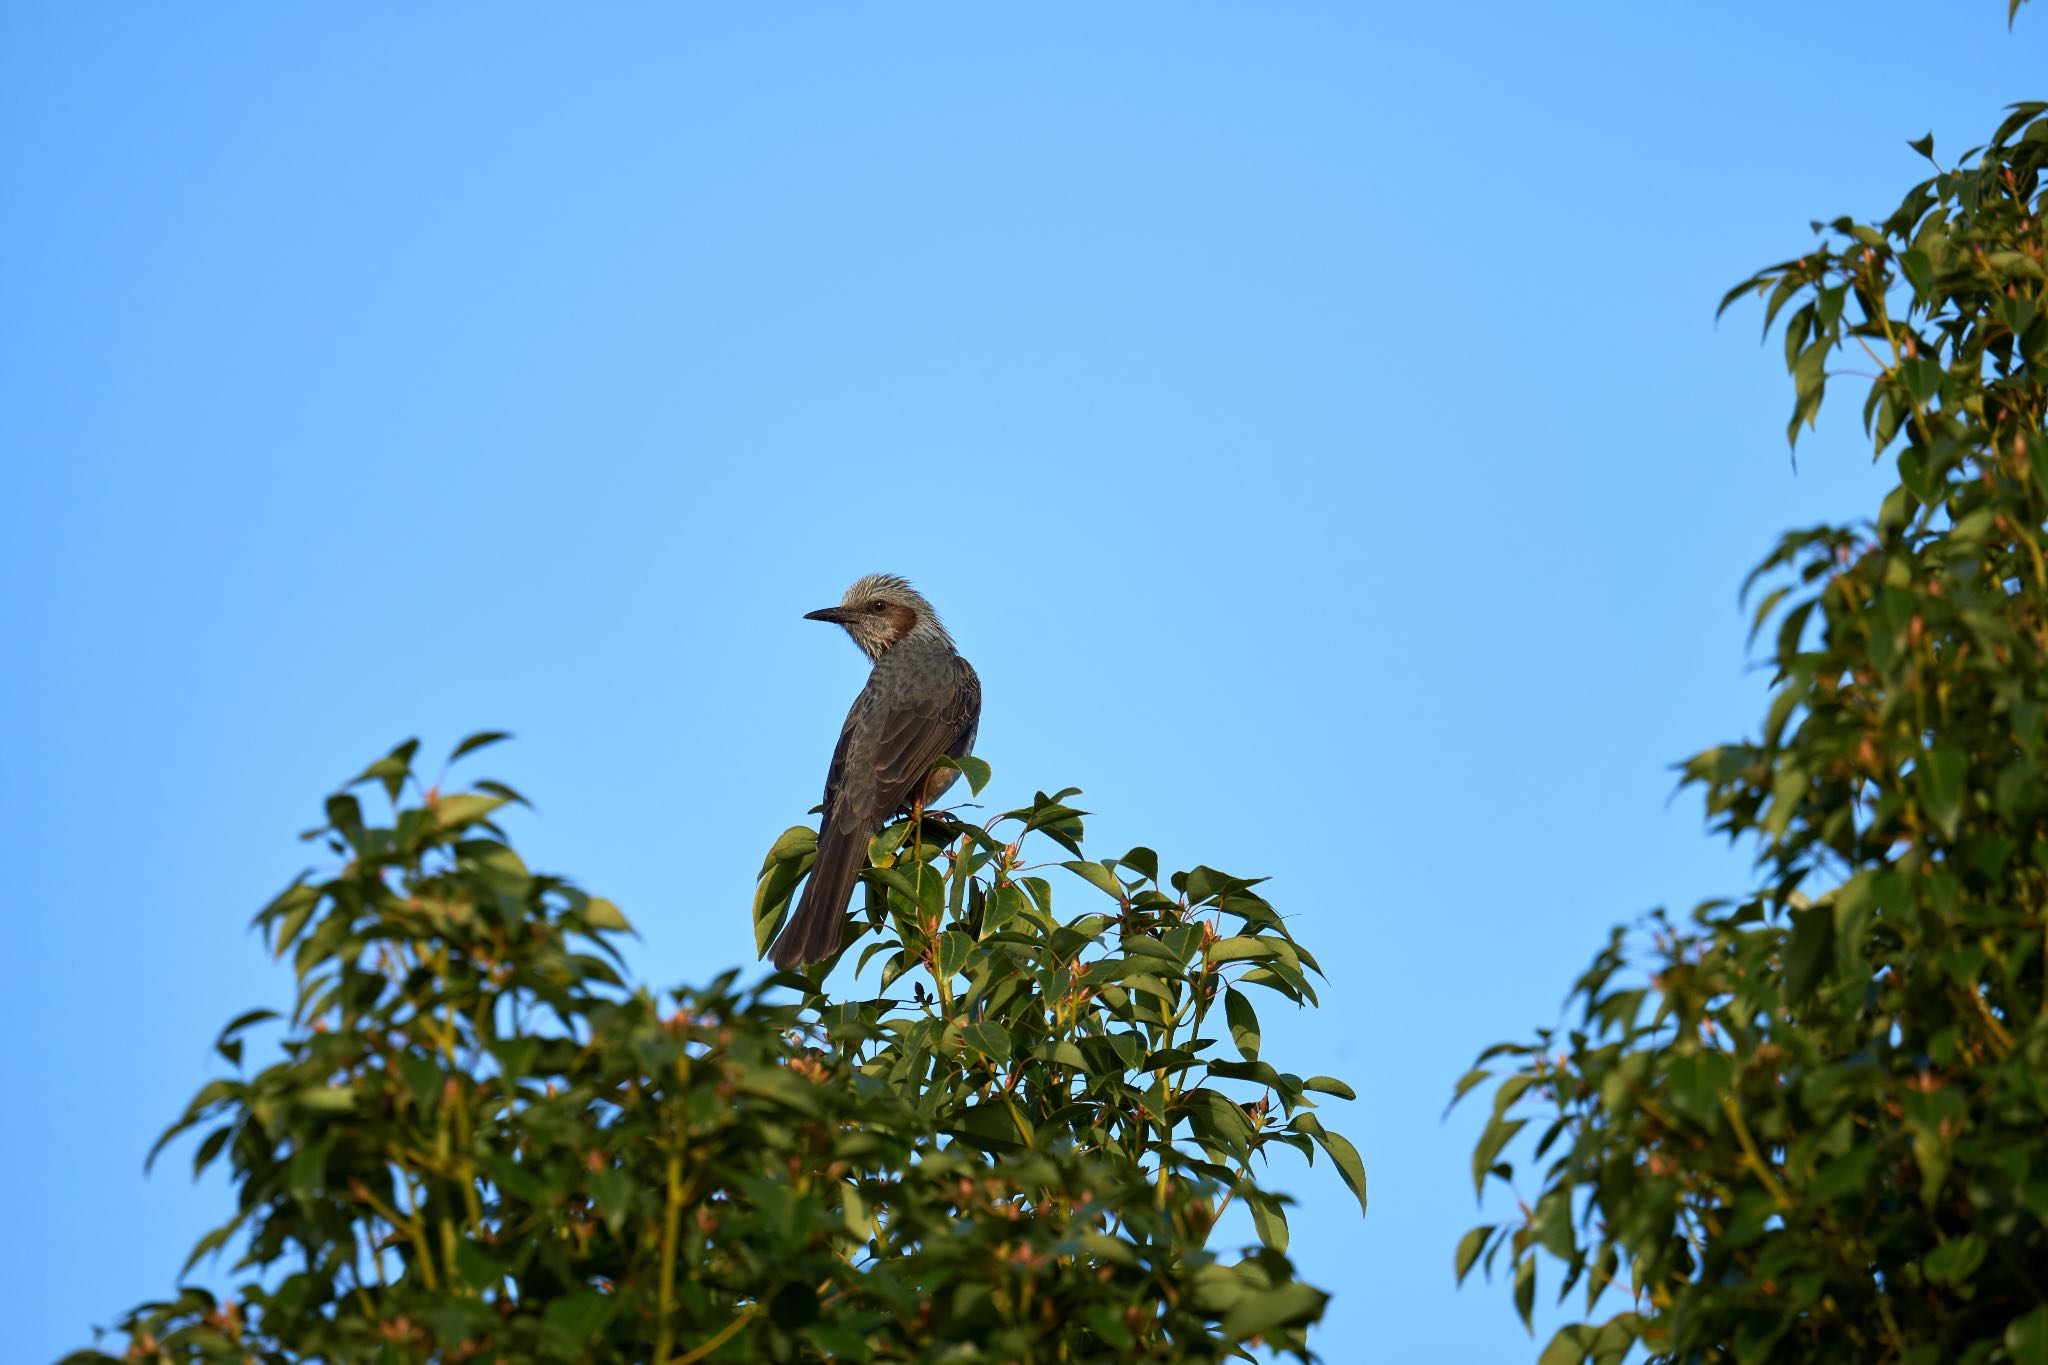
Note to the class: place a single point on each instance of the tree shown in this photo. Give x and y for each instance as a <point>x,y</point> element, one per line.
<point>1807,1125</point>
<point>478,1141</point>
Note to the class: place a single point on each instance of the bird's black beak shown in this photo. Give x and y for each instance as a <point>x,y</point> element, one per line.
<point>836,615</point>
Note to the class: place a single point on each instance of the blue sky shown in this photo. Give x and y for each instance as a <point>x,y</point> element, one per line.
<point>1310,419</point>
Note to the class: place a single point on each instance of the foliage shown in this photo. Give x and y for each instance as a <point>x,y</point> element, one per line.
<point>1807,1126</point>
<point>480,1142</point>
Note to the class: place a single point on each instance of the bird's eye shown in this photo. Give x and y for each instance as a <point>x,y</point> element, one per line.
<point>877,605</point>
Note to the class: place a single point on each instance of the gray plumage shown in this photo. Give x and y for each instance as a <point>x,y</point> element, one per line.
<point>922,701</point>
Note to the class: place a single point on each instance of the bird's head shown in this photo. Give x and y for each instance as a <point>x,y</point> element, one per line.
<point>881,610</point>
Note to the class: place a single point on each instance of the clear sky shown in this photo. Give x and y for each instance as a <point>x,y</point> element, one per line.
<point>1309,418</point>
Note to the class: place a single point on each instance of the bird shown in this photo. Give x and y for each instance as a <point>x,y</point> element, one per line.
<point>922,702</point>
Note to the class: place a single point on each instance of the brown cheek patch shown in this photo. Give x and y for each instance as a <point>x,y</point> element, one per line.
<point>901,619</point>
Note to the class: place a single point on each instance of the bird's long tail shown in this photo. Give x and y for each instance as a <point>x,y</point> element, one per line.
<point>812,934</point>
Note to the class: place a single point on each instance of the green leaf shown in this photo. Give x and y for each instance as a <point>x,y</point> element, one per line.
<point>1341,1153</point>
<point>569,1323</point>
<point>990,1126</point>
<point>1810,951</point>
<point>1244,1024</point>
<point>973,769</point>
<point>600,913</point>
<point>1469,1247</point>
<point>481,738</point>
<point>1496,1135</point>
<point>1005,903</point>
<point>951,953</point>
<point>611,1191</point>
<point>1269,1217</point>
<point>798,843</point>
<point>988,1038</point>
<point>784,867</point>
<point>463,809</point>
<point>1096,875</point>
<point>229,1044</point>
<point>328,1099</point>
<point>423,1078</point>
<point>1260,1314</point>
<point>1846,1175</point>
<point>1259,1073</point>
<point>1581,1343</point>
<point>1142,861</point>
<point>1466,1083</point>
<point>499,789</point>
<point>1919,272</point>
<point>212,1242</point>
<point>1061,1053</point>
<point>288,915</point>
<point>1941,786</point>
<point>2026,1338</point>
<point>1329,1085</point>
<point>392,769</point>
<point>514,1055</point>
<point>1956,1261</point>
<point>1242,948</point>
<point>479,1271</point>
<point>210,1148</point>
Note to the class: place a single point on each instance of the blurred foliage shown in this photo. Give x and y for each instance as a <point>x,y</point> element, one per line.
<point>1808,1126</point>
<point>480,1142</point>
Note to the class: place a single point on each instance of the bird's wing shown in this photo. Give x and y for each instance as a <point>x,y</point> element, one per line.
<point>899,726</point>
<point>891,740</point>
